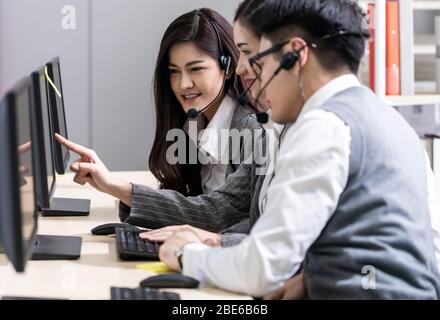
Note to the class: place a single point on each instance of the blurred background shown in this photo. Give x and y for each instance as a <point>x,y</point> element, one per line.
<point>107,64</point>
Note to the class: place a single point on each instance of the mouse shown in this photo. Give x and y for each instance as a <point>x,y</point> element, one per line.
<point>169,280</point>
<point>109,228</point>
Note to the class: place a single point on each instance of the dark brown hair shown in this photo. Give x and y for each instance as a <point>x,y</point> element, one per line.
<point>193,26</point>
<point>244,11</point>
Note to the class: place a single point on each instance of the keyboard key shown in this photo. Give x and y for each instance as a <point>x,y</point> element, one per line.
<point>126,294</point>
<point>131,242</point>
<point>141,245</point>
<point>123,240</point>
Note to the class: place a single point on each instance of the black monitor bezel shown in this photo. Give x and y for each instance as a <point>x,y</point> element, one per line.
<point>44,192</point>
<point>10,222</point>
<point>60,163</point>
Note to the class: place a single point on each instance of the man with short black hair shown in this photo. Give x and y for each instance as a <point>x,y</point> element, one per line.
<point>348,201</point>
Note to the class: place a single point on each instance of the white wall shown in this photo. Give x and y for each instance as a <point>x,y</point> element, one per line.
<point>107,65</point>
<point>30,35</point>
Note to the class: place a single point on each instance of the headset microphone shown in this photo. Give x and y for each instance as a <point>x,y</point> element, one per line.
<point>243,99</point>
<point>192,113</point>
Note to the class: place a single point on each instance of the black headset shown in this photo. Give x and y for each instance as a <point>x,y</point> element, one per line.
<point>224,60</point>
<point>225,64</point>
<point>289,60</point>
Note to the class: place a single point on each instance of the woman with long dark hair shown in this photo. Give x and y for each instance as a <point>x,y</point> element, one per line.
<point>188,73</point>
<point>191,73</point>
<point>247,40</point>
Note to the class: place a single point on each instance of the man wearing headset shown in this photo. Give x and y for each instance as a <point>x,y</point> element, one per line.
<point>348,201</point>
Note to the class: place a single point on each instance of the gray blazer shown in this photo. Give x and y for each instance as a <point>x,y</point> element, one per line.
<point>232,209</point>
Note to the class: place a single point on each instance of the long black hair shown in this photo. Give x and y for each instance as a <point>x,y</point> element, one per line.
<point>193,26</point>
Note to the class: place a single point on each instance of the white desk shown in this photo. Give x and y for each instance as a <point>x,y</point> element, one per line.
<point>99,268</point>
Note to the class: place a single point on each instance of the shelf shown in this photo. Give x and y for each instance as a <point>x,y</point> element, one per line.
<point>417,4</point>
<point>426,5</point>
<point>424,44</point>
<point>424,49</point>
<point>425,87</point>
<point>402,101</point>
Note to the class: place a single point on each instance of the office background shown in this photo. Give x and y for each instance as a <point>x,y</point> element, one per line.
<point>107,65</point>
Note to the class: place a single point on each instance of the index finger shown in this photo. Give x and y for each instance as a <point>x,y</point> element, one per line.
<point>24,147</point>
<point>79,149</point>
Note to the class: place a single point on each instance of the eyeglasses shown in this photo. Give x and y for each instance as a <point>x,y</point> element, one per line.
<point>253,61</point>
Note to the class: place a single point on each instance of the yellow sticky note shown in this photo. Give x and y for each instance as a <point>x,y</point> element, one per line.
<point>156,267</point>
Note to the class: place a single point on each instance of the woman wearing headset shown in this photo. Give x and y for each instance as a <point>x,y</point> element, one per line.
<point>247,40</point>
<point>194,83</point>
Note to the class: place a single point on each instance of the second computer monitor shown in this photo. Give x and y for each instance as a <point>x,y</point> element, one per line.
<point>18,219</point>
<point>56,102</point>
<point>45,172</point>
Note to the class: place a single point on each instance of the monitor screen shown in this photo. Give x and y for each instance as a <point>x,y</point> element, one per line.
<point>50,171</point>
<point>59,117</point>
<point>47,132</point>
<point>44,166</point>
<point>17,210</point>
<point>25,164</point>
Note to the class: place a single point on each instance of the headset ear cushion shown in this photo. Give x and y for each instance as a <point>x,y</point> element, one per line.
<point>289,60</point>
<point>222,62</point>
<point>225,63</point>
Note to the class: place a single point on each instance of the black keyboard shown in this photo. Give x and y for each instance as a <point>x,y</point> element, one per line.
<point>131,247</point>
<point>142,294</point>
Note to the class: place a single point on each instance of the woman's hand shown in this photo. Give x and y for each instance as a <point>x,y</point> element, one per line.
<point>90,169</point>
<point>162,234</point>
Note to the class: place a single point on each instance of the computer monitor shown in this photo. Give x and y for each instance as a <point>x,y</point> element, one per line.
<point>44,132</point>
<point>45,173</point>
<point>18,184</point>
<point>56,101</point>
<point>18,219</point>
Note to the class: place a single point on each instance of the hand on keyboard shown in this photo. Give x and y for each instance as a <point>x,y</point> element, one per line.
<point>131,247</point>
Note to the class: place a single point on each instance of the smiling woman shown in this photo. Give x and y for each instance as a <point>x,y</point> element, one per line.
<point>189,76</point>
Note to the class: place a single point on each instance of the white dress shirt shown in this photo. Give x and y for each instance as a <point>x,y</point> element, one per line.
<point>311,172</point>
<point>213,170</point>
<point>274,131</point>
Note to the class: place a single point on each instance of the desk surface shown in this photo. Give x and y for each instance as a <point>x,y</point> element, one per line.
<point>99,268</point>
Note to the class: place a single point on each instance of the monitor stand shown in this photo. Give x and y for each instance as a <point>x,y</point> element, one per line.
<point>56,248</point>
<point>66,207</point>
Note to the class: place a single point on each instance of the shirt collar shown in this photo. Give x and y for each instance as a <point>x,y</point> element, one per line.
<point>209,142</point>
<point>329,90</point>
